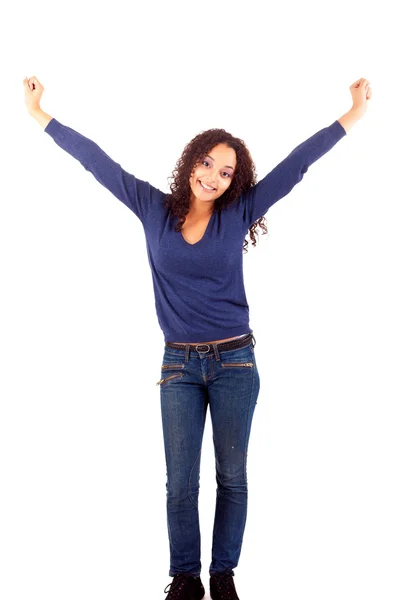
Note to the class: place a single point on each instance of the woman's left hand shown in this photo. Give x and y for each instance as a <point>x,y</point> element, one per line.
<point>361,92</point>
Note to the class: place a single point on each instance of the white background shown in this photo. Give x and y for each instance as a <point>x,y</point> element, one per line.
<point>82,471</point>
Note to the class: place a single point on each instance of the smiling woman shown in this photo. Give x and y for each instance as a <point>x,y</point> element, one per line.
<point>216,159</point>
<point>210,178</point>
<point>194,239</point>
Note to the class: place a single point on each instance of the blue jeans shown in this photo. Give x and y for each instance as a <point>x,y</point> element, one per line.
<point>190,380</point>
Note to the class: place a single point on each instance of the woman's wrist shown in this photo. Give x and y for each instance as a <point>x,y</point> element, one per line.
<point>40,116</point>
<point>350,118</point>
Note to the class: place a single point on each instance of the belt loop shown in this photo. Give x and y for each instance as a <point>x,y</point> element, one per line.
<point>254,340</point>
<point>187,350</point>
<point>216,353</point>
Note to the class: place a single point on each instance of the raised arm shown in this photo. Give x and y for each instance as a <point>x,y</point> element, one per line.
<point>138,195</point>
<point>282,179</point>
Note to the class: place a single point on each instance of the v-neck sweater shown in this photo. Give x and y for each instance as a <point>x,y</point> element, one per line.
<point>198,288</point>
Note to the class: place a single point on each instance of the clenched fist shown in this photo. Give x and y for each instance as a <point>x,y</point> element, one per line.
<point>360,92</point>
<point>33,93</point>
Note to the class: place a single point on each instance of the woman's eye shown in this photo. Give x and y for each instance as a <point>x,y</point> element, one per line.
<point>225,173</point>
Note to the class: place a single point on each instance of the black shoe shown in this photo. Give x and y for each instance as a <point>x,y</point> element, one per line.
<point>185,587</point>
<point>222,587</point>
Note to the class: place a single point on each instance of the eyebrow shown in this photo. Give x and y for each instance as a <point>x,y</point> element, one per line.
<point>226,166</point>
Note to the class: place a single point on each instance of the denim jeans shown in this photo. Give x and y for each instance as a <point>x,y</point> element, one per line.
<point>229,382</point>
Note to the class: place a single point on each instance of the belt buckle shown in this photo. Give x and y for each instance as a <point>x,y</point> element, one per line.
<point>203,351</point>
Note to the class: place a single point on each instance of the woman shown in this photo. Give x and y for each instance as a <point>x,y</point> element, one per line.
<point>195,237</point>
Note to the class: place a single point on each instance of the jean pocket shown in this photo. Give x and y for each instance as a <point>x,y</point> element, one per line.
<point>172,366</point>
<point>166,366</point>
<point>239,358</point>
<point>237,364</point>
<point>162,381</point>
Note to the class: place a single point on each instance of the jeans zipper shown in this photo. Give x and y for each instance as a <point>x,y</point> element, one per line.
<point>248,364</point>
<point>167,378</point>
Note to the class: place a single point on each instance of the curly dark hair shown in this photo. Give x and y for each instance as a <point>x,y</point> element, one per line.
<point>244,177</point>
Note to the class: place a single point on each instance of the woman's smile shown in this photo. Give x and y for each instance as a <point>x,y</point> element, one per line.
<point>206,189</point>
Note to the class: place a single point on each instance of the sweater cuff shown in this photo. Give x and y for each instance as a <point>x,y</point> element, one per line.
<point>338,130</point>
<point>52,127</point>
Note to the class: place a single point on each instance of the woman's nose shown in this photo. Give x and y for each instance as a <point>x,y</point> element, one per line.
<point>213,175</point>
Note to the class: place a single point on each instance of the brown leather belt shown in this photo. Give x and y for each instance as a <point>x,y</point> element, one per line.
<point>231,345</point>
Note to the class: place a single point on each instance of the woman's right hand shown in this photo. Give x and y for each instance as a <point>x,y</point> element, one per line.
<point>33,93</point>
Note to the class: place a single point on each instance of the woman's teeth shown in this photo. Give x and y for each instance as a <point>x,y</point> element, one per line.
<point>208,189</point>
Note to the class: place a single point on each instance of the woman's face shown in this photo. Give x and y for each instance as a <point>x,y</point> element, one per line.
<point>214,170</point>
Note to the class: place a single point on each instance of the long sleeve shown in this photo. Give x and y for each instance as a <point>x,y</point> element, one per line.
<point>282,179</point>
<point>138,195</point>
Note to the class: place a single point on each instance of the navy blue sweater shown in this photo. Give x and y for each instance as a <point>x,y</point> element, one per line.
<point>198,288</point>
